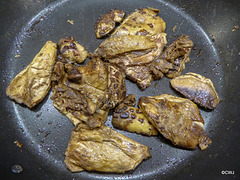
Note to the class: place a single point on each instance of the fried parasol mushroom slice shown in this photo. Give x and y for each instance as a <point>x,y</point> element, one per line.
<point>177,119</point>
<point>197,88</point>
<point>172,61</point>
<point>143,21</point>
<point>103,149</point>
<point>129,118</point>
<point>121,47</point>
<point>69,101</point>
<point>139,74</point>
<point>32,84</point>
<point>107,22</point>
<point>72,50</point>
<point>116,91</point>
<point>91,80</point>
<point>80,91</point>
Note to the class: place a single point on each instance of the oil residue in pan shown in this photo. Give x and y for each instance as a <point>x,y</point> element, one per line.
<point>46,132</point>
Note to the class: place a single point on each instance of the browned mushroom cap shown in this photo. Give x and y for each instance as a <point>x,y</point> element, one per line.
<point>107,22</point>
<point>71,50</point>
<point>197,88</point>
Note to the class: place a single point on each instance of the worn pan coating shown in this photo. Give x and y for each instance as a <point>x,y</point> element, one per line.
<point>44,133</point>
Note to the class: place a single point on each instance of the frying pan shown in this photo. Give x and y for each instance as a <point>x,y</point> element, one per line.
<point>44,133</point>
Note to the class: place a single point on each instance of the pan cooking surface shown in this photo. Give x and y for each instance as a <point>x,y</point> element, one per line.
<point>45,132</point>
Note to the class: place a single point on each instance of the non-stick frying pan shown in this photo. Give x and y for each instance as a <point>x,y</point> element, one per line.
<point>44,133</point>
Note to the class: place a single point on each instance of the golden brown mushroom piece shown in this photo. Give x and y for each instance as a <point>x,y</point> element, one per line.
<point>80,92</point>
<point>177,119</point>
<point>116,91</point>
<point>143,21</point>
<point>72,50</point>
<point>107,22</point>
<point>129,118</point>
<point>103,149</point>
<point>172,61</point>
<point>32,84</point>
<point>197,88</point>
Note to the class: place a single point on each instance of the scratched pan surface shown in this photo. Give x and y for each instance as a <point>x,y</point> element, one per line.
<point>44,133</point>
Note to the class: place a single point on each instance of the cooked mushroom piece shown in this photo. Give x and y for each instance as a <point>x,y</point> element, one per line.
<point>132,119</point>
<point>116,90</point>
<point>72,50</point>
<point>32,84</point>
<point>103,149</point>
<point>73,73</point>
<point>107,22</point>
<point>140,75</point>
<point>81,91</point>
<point>197,88</point>
<point>177,119</point>
<point>172,61</point>
<point>143,21</point>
